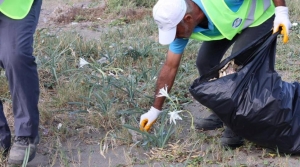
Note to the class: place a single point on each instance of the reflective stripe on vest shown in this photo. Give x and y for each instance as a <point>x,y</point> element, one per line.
<point>251,13</point>
<point>250,17</point>
<point>15,9</point>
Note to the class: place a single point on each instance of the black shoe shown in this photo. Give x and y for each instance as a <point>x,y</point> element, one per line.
<point>18,149</point>
<point>230,140</point>
<point>212,122</point>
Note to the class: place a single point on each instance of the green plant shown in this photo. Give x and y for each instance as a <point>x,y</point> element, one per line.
<point>162,134</point>
<point>26,157</point>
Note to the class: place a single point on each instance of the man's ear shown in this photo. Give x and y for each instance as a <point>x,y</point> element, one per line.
<point>187,18</point>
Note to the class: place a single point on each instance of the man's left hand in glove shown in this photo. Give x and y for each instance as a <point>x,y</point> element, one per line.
<point>282,20</point>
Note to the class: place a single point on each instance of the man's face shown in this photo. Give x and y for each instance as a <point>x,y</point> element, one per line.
<point>184,30</point>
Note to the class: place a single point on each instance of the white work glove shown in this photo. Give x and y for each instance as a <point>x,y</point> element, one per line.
<point>148,119</point>
<point>282,20</point>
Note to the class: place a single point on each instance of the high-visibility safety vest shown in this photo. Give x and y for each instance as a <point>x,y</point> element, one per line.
<point>250,14</point>
<point>15,9</point>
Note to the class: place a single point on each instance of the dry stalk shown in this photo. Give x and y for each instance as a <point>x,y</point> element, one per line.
<point>229,68</point>
<point>177,152</point>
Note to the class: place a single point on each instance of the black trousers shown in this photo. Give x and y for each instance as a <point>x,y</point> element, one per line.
<point>16,40</point>
<point>211,52</point>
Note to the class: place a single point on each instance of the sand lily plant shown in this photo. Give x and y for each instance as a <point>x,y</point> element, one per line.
<point>96,65</point>
<point>174,115</point>
<point>165,126</point>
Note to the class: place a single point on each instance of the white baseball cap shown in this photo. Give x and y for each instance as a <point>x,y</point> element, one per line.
<point>167,14</point>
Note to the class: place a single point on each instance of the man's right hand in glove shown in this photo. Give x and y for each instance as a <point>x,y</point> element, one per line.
<point>148,119</point>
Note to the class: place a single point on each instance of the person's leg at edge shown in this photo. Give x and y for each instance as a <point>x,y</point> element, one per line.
<point>16,39</point>
<point>5,135</point>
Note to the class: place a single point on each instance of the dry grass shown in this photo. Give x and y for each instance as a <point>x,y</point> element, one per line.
<point>66,14</point>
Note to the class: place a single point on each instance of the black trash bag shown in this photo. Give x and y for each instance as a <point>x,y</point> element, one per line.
<point>254,102</point>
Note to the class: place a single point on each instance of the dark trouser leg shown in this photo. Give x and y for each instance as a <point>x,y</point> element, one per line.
<point>210,55</point>
<point>16,40</point>
<point>5,135</point>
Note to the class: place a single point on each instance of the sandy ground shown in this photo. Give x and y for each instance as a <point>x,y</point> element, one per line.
<point>78,153</point>
<point>53,9</point>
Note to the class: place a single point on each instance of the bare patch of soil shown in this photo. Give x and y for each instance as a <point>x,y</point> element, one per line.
<point>65,15</point>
